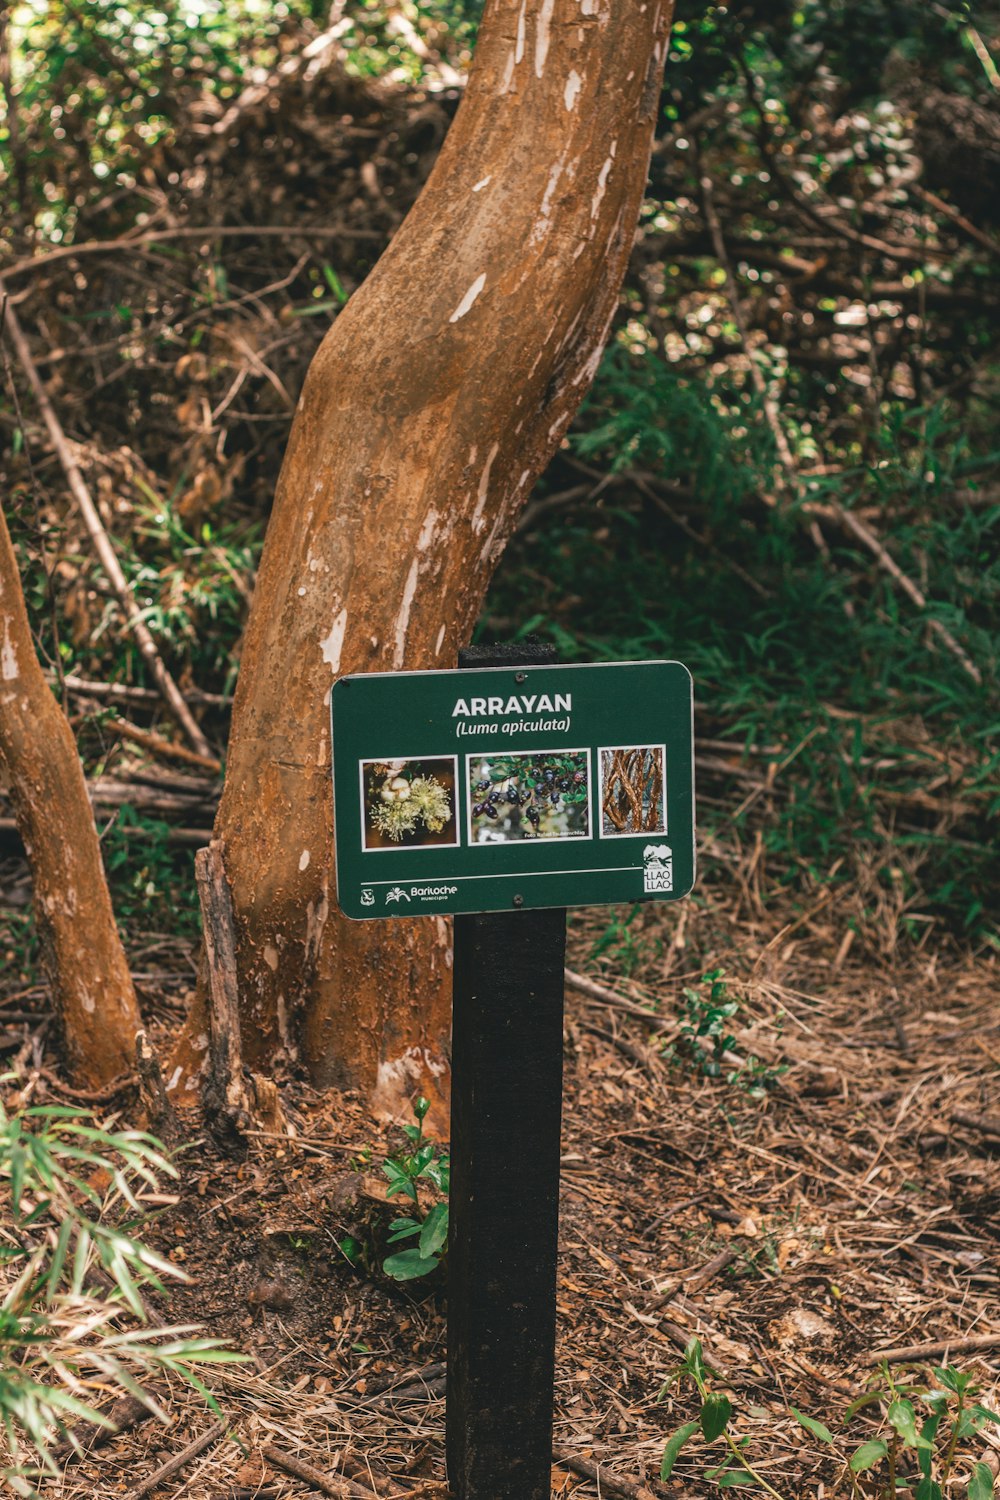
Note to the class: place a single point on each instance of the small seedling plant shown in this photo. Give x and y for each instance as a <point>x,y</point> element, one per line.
<point>919,1444</point>
<point>713,1422</point>
<point>423,1163</point>
<point>921,1439</point>
<point>707,1011</point>
<point>72,1274</point>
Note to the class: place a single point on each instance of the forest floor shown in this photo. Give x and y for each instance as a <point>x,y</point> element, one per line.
<point>836,1197</point>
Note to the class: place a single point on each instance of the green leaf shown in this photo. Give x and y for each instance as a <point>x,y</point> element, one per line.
<point>928,1489</point>
<point>812,1426</point>
<point>737,1479</point>
<point>714,1415</point>
<point>403,1229</point>
<point>981,1483</point>
<point>408,1265</point>
<point>694,1361</point>
<point>434,1234</point>
<point>868,1455</point>
<point>673,1447</point>
<point>974,1419</point>
<point>903,1418</point>
<point>865,1399</point>
<point>925,1456</point>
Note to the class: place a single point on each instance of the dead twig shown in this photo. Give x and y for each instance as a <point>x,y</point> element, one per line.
<point>615,1486</point>
<point>138,242</point>
<point>604,996</point>
<point>102,544</point>
<point>179,1460</point>
<point>159,746</point>
<point>848,520</point>
<point>911,1353</point>
<point>987,1124</point>
<point>327,1484</point>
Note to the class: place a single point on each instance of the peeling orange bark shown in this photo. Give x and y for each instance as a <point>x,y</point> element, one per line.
<point>433,404</point>
<point>91,985</point>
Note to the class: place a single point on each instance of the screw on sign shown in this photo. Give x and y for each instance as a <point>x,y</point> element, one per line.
<point>503,802</point>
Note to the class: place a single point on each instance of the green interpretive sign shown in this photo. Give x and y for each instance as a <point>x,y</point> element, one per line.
<point>502,789</point>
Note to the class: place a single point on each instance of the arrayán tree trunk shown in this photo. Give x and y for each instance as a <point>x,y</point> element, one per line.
<point>433,404</point>
<point>91,985</point>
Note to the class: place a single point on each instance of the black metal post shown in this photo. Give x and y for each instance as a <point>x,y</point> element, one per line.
<point>506,1108</point>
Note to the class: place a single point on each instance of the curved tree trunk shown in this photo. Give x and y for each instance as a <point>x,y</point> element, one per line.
<point>435,401</point>
<point>82,952</point>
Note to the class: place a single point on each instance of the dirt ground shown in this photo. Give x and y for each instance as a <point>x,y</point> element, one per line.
<point>835,1197</point>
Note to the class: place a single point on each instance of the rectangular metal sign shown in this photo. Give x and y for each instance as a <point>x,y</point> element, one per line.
<point>508,788</point>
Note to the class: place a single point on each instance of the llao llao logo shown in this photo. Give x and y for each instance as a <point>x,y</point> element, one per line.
<point>658,868</point>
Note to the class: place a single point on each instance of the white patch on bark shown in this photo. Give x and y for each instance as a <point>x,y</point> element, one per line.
<point>440,642</point>
<point>484,485</point>
<point>542,35</point>
<point>281,1016</point>
<point>444,940</point>
<point>87,1000</point>
<point>334,643</point>
<point>570,331</point>
<point>316,915</point>
<point>172,1081</point>
<point>271,957</point>
<point>508,75</point>
<point>403,618</point>
<point>574,83</point>
<point>304,859</point>
<point>602,186</point>
<point>8,658</point>
<point>427,530</point>
<point>588,7</point>
<point>483,182</point>
<point>545,210</point>
<point>468,299</point>
<point>301,593</point>
<point>519,47</point>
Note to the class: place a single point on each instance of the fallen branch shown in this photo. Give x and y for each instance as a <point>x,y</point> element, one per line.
<point>197,836</point>
<point>124,1414</point>
<point>604,996</point>
<point>615,1486</point>
<point>204,232</point>
<point>909,1353</point>
<point>858,528</point>
<point>159,746</point>
<point>179,1460</point>
<point>99,537</point>
<point>987,1124</point>
<point>123,692</point>
<point>327,1484</point>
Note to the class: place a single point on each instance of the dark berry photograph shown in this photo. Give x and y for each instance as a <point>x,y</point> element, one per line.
<point>541,795</point>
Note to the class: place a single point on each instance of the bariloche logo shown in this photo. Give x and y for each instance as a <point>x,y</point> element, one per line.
<point>367,897</point>
<point>658,868</point>
<point>396,894</point>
